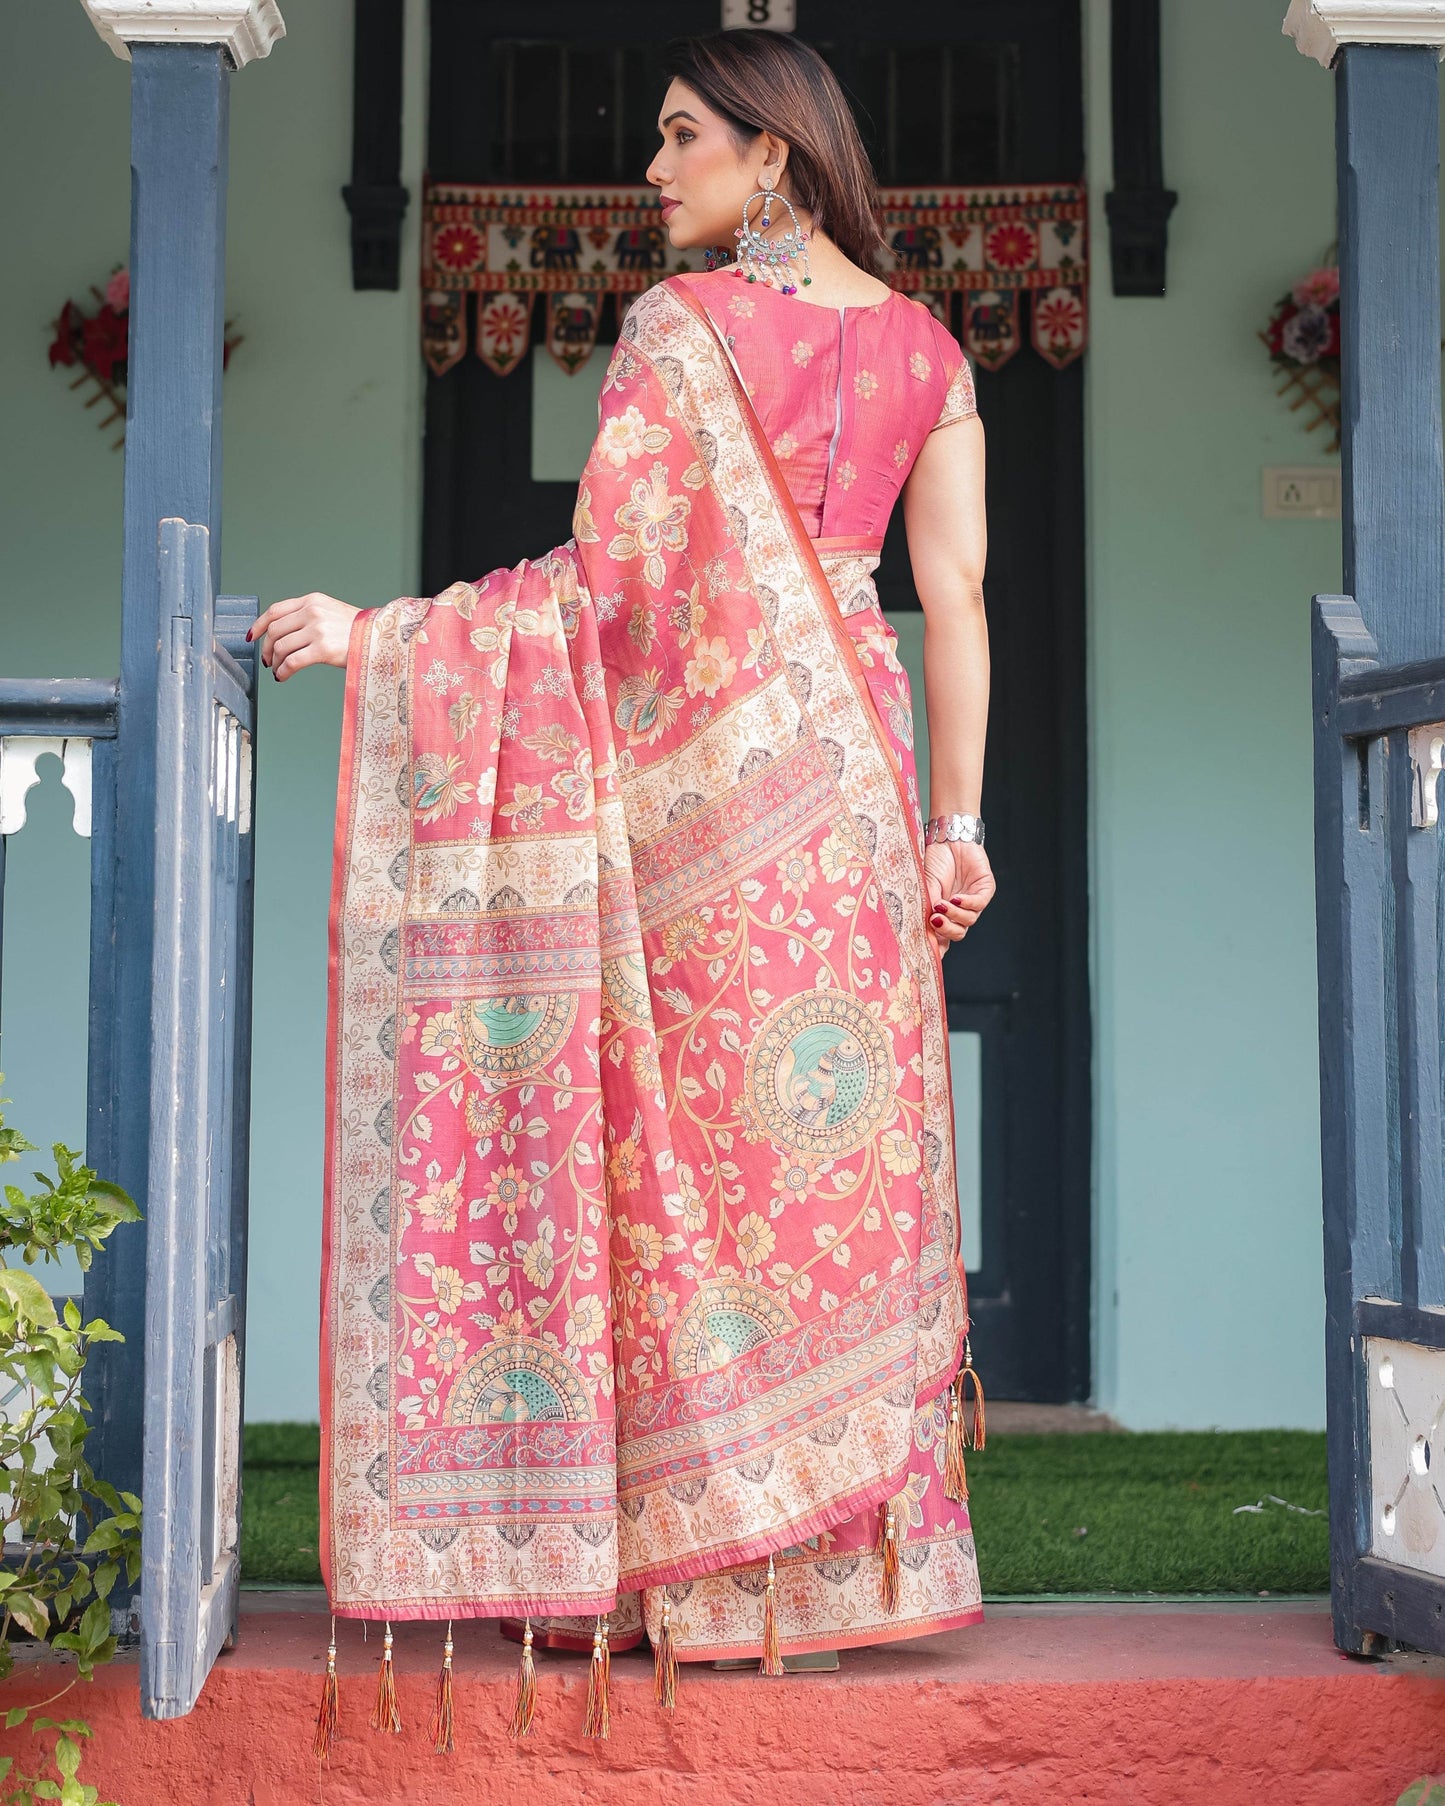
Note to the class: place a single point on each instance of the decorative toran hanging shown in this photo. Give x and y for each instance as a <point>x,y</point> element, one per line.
<point>968,253</point>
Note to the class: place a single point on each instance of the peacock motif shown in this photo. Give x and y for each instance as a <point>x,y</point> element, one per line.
<point>821,1074</point>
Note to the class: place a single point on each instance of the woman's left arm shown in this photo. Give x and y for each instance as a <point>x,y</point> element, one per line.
<point>943,511</point>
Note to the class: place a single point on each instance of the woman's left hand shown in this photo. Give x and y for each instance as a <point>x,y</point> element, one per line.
<point>304,630</point>
<point>960,887</point>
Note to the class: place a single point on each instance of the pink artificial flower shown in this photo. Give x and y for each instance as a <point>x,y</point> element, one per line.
<point>1319,288</point>
<point>117,290</point>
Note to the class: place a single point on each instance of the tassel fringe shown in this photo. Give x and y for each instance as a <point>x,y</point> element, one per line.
<point>441,1718</point>
<point>955,1474</point>
<point>385,1715</point>
<point>598,1722</point>
<point>664,1669</point>
<point>978,1440</point>
<point>772,1662</point>
<point>888,1540</point>
<point>606,1673</point>
<point>526,1706</point>
<point>328,1714</point>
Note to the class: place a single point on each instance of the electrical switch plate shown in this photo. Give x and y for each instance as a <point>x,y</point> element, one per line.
<point>1301,491</point>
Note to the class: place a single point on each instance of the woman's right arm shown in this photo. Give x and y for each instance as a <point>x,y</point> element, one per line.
<point>943,511</point>
<point>304,630</point>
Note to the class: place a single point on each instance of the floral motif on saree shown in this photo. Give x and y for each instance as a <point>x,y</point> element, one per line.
<point>640,1257</point>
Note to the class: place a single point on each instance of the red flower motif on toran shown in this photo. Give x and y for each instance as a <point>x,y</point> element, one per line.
<point>1011,246</point>
<point>459,247</point>
<point>505,320</point>
<point>1060,318</point>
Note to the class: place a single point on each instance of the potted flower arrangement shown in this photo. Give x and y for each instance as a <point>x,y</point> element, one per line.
<point>1303,340</point>
<point>99,343</point>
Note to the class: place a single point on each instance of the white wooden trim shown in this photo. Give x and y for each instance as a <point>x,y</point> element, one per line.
<point>246,28</point>
<point>76,778</point>
<point>1427,760</point>
<point>19,754</point>
<point>18,776</point>
<point>1319,27</point>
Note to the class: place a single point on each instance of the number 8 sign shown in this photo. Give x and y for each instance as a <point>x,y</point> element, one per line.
<point>776,15</point>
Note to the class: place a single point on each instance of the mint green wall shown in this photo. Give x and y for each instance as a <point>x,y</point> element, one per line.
<point>1208,1264</point>
<point>1208,1282</point>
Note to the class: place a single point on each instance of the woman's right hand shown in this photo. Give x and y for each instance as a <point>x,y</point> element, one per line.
<point>304,630</point>
<point>960,887</point>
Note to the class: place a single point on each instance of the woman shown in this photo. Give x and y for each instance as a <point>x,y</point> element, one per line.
<point>642,1299</point>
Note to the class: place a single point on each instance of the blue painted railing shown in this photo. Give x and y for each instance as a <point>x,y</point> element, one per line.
<point>1379,705</point>
<point>167,1402</point>
<point>1379,742</point>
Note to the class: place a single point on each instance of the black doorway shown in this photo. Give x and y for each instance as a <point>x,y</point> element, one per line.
<point>948,91</point>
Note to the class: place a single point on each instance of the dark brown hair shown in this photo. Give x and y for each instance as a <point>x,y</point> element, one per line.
<point>771,81</point>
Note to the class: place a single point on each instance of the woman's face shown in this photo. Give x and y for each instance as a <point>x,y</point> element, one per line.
<point>703,180</point>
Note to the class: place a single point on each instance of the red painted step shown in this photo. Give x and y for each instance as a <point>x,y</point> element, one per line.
<point>1139,1705</point>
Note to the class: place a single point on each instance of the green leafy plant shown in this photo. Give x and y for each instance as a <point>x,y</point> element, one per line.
<point>1427,1791</point>
<point>54,1511</point>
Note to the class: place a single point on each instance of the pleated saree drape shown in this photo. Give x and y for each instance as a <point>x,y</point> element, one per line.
<point>641,1240</point>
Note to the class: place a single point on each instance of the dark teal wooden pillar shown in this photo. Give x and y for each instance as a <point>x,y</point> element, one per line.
<point>179,110</point>
<point>1388,160</point>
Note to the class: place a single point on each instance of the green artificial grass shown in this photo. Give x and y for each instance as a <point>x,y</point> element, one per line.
<point>280,1505</point>
<point>1156,1510</point>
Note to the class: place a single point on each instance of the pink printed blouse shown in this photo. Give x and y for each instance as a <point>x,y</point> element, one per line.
<point>846,395</point>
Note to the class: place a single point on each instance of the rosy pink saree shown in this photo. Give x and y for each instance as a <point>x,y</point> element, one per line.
<point>640,1275</point>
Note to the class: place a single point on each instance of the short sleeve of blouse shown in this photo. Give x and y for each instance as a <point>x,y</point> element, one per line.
<point>960,402</point>
<point>946,356</point>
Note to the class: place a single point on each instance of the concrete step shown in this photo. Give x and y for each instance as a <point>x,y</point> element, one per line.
<point>1134,1704</point>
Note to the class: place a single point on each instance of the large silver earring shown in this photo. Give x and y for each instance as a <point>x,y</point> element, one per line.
<point>772,258</point>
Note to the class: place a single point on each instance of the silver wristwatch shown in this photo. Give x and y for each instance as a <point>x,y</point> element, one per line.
<point>953,827</point>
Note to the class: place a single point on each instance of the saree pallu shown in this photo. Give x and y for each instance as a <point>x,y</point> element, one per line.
<point>640,1261</point>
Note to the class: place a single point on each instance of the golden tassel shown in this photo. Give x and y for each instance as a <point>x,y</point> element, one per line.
<point>772,1662</point>
<point>888,1539</point>
<point>980,1429</point>
<point>606,1665</point>
<point>328,1714</point>
<point>526,1705</point>
<point>441,1718</point>
<point>598,1722</point>
<point>664,1667</point>
<point>955,1474</point>
<point>384,1714</point>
